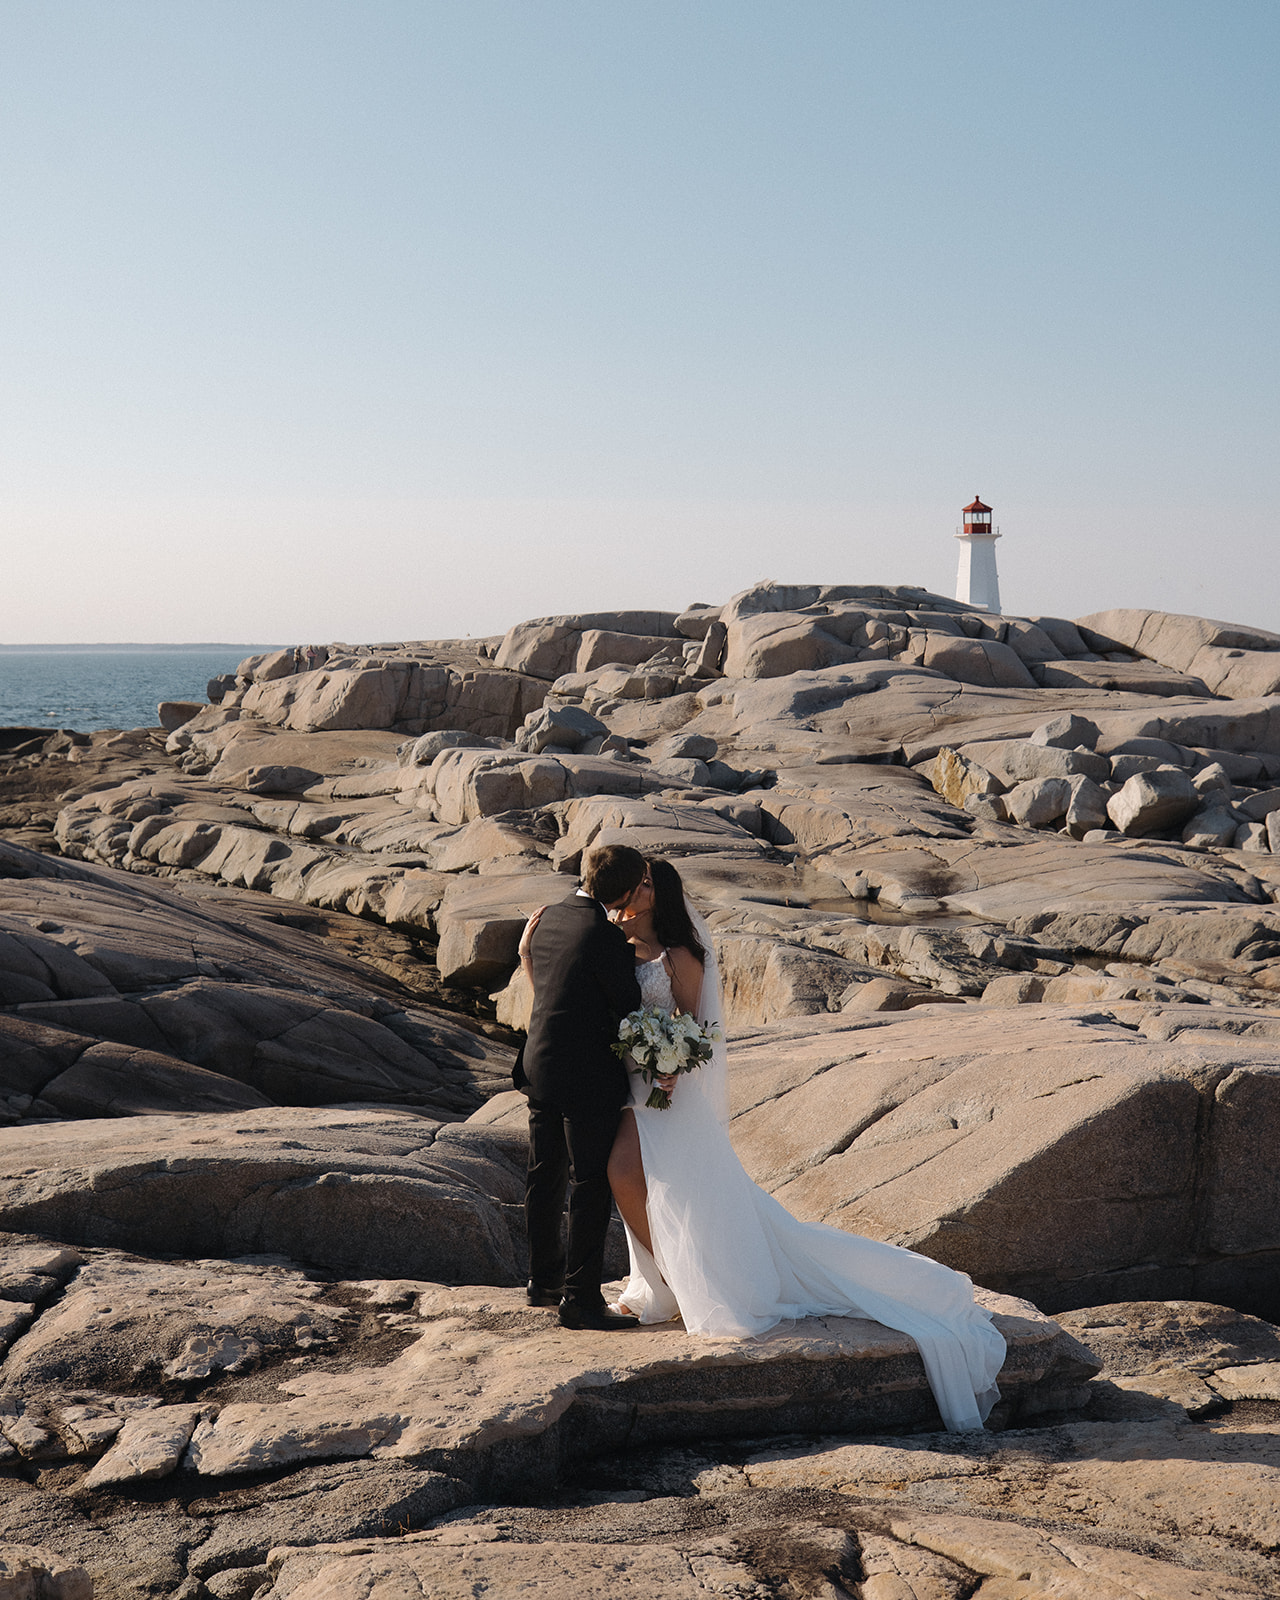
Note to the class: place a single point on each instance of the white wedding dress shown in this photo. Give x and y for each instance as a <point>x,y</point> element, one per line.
<point>733,1262</point>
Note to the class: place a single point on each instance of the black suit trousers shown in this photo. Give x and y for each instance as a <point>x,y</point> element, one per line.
<point>570,1149</point>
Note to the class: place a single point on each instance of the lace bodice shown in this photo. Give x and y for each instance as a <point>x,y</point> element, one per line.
<point>655,984</point>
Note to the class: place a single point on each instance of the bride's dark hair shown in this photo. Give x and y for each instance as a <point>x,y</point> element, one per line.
<point>671,923</point>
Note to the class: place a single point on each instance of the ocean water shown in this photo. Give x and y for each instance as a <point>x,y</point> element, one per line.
<point>91,689</point>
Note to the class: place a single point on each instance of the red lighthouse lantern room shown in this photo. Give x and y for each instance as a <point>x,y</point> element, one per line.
<point>977,518</point>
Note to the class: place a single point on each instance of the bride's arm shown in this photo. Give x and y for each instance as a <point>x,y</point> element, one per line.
<point>526,944</point>
<point>686,979</point>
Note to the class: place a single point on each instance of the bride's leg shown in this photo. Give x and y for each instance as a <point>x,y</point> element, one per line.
<point>626,1179</point>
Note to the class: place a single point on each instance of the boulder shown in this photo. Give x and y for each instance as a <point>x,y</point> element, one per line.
<point>769,645</point>
<point>396,694</point>
<point>1213,779</point>
<point>1065,635</point>
<point>694,621</point>
<point>547,647</point>
<point>1212,828</point>
<point>171,714</point>
<point>566,727</point>
<point>1039,802</point>
<point>1244,727</point>
<point>955,778</point>
<point>1149,801</point>
<point>1014,989</point>
<point>481,919</point>
<point>765,979</point>
<point>1238,768</point>
<point>599,648</point>
<point>667,827</point>
<point>1162,750</point>
<point>684,747</point>
<point>986,807</point>
<point>1087,808</point>
<point>1124,767</point>
<point>683,774</point>
<point>1258,807</point>
<point>421,752</point>
<point>1238,662</point>
<point>1068,732</point>
<point>709,662</point>
<point>481,783</point>
<point>977,661</point>
<point>1016,760</point>
<point>491,844</point>
<point>31,1572</point>
<point>1028,641</point>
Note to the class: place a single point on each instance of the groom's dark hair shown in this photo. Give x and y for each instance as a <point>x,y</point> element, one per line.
<point>611,872</point>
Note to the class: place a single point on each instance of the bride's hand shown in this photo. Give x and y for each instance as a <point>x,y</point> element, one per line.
<point>667,1081</point>
<point>527,936</point>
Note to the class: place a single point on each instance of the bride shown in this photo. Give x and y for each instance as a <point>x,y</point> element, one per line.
<point>709,1246</point>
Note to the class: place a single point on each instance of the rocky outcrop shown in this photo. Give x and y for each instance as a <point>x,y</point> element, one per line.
<point>548,647</point>
<point>200,1372</point>
<point>351,1400</point>
<point>348,1191</point>
<point>1239,663</point>
<point>403,696</point>
<point>937,1130</point>
<point>121,997</point>
<point>903,818</point>
<point>26,1570</point>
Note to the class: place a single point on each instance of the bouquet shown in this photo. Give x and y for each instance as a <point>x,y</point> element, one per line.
<point>660,1043</point>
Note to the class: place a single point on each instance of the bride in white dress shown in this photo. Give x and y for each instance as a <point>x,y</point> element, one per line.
<point>708,1245</point>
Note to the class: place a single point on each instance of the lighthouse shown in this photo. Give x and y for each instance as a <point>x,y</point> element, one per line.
<point>976,581</point>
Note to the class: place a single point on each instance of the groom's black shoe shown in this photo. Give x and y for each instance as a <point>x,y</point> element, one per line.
<point>601,1318</point>
<point>538,1296</point>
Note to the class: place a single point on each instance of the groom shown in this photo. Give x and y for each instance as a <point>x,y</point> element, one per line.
<point>584,983</point>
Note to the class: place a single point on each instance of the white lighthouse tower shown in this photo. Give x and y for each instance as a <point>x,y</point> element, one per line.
<point>976,581</point>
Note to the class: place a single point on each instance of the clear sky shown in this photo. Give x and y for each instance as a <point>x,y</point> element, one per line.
<point>378,319</point>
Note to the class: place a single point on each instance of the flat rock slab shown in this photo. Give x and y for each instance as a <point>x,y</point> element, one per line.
<point>168,1370</point>
<point>497,1395</point>
<point>1152,1337</point>
<point>1199,1501</point>
<point>358,1192</point>
<point>457,1564</point>
<point>1004,873</point>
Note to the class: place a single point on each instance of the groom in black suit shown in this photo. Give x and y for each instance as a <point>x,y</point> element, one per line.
<point>584,982</point>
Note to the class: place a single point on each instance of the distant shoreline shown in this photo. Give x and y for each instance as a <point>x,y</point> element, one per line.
<point>130,649</point>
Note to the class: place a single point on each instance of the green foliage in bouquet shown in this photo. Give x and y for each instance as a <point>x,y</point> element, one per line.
<point>662,1044</point>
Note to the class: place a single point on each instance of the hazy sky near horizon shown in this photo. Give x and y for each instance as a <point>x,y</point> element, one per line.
<point>379,319</point>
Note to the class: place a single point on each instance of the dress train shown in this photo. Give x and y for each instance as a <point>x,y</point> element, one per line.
<point>733,1261</point>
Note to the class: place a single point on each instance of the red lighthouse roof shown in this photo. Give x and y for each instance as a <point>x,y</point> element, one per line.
<point>977,505</point>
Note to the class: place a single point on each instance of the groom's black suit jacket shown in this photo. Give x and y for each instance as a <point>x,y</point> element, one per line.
<point>584,983</point>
